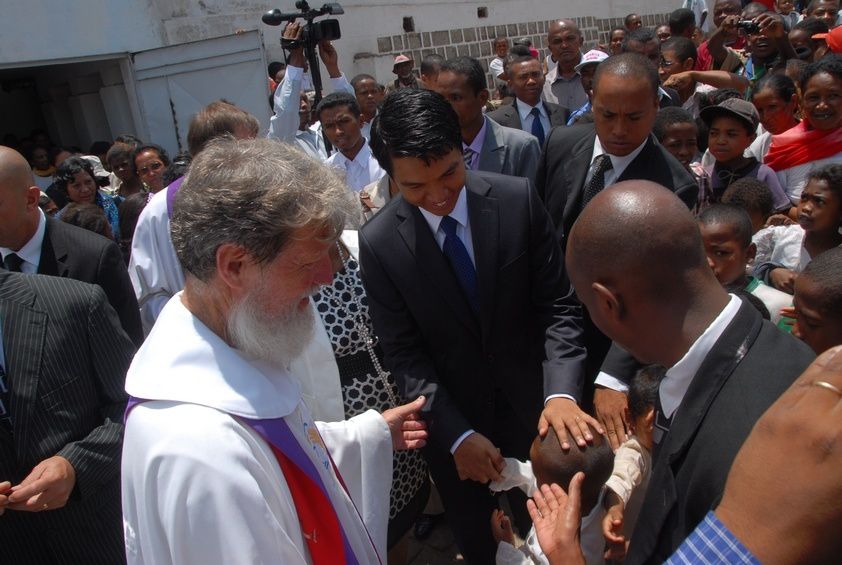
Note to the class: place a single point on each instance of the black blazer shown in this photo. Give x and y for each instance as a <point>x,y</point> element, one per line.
<point>527,340</point>
<point>507,115</point>
<point>66,359</point>
<point>724,401</point>
<point>72,252</point>
<point>565,163</point>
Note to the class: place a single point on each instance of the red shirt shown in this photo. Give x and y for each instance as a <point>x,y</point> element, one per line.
<point>704,60</point>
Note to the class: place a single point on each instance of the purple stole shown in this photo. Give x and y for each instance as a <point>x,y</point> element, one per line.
<point>323,532</point>
<point>172,190</point>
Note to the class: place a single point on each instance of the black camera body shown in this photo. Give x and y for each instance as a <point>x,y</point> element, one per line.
<point>748,26</point>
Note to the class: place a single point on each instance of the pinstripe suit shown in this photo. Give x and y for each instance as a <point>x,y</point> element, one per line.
<point>66,360</point>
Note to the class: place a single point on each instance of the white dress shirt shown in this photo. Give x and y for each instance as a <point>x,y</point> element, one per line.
<point>31,250</point>
<point>618,164</point>
<point>359,172</point>
<point>526,117</point>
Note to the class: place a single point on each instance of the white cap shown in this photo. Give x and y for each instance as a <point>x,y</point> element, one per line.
<point>592,57</point>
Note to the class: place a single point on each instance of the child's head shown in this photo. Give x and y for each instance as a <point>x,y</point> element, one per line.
<point>551,464</point>
<point>753,196</point>
<point>818,301</point>
<point>820,208</point>
<point>785,6</point>
<point>776,100</point>
<point>676,130</point>
<point>643,394</point>
<point>726,233</point>
<point>732,126</point>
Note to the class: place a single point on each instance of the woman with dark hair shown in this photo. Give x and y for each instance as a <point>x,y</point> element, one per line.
<point>150,160</point>
<point>776,100</point>
<point>88,217</point>
<point>120,159</point>
<point>75,180</point>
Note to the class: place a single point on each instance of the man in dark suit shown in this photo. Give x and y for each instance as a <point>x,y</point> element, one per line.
<point>31,242</point>
<point>636,259</point>
<point>579,161</point>
<point>468,297</point>
<point>528,112</point>
<point>63,363</point>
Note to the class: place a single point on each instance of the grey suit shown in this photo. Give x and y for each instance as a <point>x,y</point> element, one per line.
<point>507,115</point>
<point>66,358</point>
<point>509,151</point>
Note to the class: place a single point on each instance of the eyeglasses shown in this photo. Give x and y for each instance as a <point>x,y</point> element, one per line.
<point>666,64</point>
<point>153,166</point>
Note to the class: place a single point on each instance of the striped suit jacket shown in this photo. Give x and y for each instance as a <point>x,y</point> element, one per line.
<point>66,358</point>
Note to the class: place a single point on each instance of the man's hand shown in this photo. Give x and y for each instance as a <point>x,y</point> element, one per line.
<point>330,58</point>
<point>292,31</point>
<point>612,529</point>
<point>783,279</point>
<point>501,527</point>
<point>5,487</point>
<point>728,26</point>
<point>792,516</point>
<point>408,429</point>
<point>771,25</point>
<point>564,414</point>
<point>477,459</point>
<point>47,486</point>
<point>556,517</point>
<point>680,81</point>
<point>612,409</point>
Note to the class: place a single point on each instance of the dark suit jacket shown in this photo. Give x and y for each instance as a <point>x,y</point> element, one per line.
<point>66,360</point>
<point>725,399</point>
<point>72,252</point>
<point>527,342</point>
<point>507,115</point>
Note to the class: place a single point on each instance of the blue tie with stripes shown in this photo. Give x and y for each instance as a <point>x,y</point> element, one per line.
<point>460,261</point>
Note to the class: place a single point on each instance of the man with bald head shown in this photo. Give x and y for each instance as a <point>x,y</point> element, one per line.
<point>579,161</point>
<point>563,84</point>
<point>636,260</point>
<point>31,242</point>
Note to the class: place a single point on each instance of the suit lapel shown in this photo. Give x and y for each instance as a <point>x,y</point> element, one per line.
<point>431,261</point>
<point>576,173</point>
<point>53,253</point>
<point>516,115</point>
<point>640,167</point>
<point>493,149</point>
<point>485,219</point>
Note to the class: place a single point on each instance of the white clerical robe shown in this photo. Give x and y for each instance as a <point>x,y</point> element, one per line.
<point>201,487</point>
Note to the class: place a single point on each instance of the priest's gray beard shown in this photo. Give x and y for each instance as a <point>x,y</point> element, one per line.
<point>274,337</point>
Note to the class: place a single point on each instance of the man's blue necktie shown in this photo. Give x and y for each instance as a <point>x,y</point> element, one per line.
<point>460,261</point>
<point>537,128</point>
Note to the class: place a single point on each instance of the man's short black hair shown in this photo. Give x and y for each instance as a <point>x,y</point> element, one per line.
<point>642,35</point>
<point>513,58</point>
<point>628,65</point>
<point>670,116</point>
<point>274,67</point>
<point>815,4</point>
<point>681,20</point>
<point>519,51</point>
<point>754,9</point>
<point>414,123</point>
<point>750,194</point>
<point>812,26</point>
<point>336,99</point>
<point>628,18</point>
<point>470,69</point>
<point>729,215</point>
<point>825,272</point>
<point>361,77</point>
<point>643,390</point>
<point>683,48</point>
<point>431,63</point>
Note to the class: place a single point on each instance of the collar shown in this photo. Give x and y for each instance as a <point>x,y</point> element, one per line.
<point>678,377</point>
<point>361,160</point>
<point>619,164</point>
<point>525,109</point>
<point>459,213</point>
<point>203,369</point>
<point>556,74</point>
<point>479,140</point>
<point>31,250</point>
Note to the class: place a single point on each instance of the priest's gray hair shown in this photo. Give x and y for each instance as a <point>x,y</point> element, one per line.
<point>256,194</point>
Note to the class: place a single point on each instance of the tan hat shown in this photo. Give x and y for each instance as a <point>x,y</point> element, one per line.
<point>400,59</point>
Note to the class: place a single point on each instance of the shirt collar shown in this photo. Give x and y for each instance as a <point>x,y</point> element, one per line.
<point>361,159</point>
<point>479,140</point>
<point>618,164</point>
<point>31,250</point>
<point>525,109</point>
<point>678,377</point>
<point>459,213</point>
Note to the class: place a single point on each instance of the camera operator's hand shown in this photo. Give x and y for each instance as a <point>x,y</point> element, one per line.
<point>771,25</point>
<point>330,58</point>
<point>728,27</point>
<point>294,31</point>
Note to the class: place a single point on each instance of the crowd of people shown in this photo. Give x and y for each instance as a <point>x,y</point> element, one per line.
<point>595,288</point>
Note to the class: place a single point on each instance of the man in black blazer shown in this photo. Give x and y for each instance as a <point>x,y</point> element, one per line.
<point>526,81</point>
<point>63,363</point>
<point>636,259</point>
<point>467,294</point>
<point>32,242</point>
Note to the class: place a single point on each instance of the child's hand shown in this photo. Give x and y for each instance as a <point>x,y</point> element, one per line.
<point>556,517</point>
<point>501,527</point>
<point>783,279</point>
<point>780,220</point>
<point>612,529</point>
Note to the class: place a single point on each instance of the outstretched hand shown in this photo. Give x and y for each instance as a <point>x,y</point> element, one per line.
<point>556,517</point>
<point>408,429</point>
<point>564,415</point>
<point>46,487</point>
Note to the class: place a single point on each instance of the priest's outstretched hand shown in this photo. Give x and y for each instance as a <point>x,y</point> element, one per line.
<point>408,429</point>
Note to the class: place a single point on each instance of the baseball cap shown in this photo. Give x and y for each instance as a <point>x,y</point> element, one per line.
<point>734,107</point>
<point>99,170</point>
<point>401,59</point>
<point>833,38</point>
<point>592,57</point>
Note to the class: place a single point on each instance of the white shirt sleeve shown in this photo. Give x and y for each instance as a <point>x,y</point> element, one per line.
<point>284,122</point>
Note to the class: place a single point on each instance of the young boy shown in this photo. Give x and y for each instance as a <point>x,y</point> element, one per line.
<point>732,127</point>
<point>632,464</point>
<point>818,302</point>
<point>547,464</point>
<point>753,196</point>
<point>677,131</point>
<point>726,232</point>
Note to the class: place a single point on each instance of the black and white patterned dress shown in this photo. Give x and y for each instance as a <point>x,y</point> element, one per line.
<point>343,306</point>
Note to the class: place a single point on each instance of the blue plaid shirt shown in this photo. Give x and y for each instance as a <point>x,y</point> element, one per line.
<point>712,543</point>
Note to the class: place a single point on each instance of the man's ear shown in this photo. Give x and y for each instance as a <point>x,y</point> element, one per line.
<point>33,195</point>
<point>688,64</point>
<point>609,302</point>
<point>649,419</point>
<point>234,266</point>
<point>483,96</point>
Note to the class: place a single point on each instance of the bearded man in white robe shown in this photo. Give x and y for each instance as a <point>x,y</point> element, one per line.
<point>202,479</point>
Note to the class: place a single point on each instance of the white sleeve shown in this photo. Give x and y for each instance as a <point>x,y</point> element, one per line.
<point>628,470</point>
<point>341,84</point>
<point>507,554</point>
<point>284,122</point>
<point>516,474</point>
<point>609,381</point>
